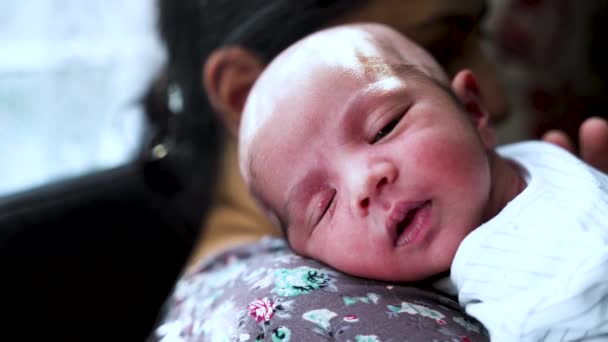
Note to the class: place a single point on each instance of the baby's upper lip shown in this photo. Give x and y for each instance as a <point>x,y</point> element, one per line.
<point>397,214</point>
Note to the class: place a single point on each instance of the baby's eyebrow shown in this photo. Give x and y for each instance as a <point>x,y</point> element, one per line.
<point>378,66</point>
<point>360,101</point>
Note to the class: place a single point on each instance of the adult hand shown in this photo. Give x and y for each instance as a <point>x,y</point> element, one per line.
<point>593,142</point>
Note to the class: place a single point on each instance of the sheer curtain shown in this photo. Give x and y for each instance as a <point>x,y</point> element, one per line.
<point>72,77</point>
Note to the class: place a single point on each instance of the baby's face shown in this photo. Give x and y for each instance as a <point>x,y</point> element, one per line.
<point>378,172</point>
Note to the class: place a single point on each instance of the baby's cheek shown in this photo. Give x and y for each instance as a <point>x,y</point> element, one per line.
<point>459,163</point>
<point>346,247</point>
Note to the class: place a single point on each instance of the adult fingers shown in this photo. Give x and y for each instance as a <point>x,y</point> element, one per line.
<point>593,141</point>
<point>560,139</point>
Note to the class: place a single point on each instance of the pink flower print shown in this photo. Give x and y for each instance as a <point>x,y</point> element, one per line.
<point>261,309</point>
<point>441,322</point>
<point>351,318</point>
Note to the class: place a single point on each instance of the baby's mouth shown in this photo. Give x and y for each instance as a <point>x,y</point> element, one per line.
<point>409,227</point>
<point>401,226</point>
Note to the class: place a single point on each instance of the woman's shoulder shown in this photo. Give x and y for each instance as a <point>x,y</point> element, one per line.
<point>263,291</point>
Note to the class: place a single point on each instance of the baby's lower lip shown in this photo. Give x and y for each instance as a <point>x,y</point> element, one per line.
<point>418,226</point>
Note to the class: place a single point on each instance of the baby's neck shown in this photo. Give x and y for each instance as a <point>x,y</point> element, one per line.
<point>507,183</point>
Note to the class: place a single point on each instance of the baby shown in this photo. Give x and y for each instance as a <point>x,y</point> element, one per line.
<point>371,160</point>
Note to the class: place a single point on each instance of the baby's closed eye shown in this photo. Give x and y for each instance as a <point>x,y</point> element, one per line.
<point>386,129</point>
<point>325,202</point>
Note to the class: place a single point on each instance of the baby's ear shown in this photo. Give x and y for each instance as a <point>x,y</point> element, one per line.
<point>228,75</point>
<point>467,90</point>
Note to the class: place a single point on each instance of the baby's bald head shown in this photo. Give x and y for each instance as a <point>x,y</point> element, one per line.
<point>307,71</point>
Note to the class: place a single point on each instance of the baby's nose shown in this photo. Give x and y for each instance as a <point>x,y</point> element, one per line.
<point>371,184</point>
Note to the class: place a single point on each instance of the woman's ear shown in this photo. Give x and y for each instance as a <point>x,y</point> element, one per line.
<point>228,75</point>
<point>467,90</point>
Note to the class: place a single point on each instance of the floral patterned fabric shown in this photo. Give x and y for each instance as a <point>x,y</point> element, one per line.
<point>263,292</point>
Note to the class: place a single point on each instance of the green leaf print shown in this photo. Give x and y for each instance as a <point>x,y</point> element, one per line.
<point>300,280</point>
<point>281,334</point>
<point>371,298</point>
<point>320,317</point>
<point>415,309</point>
<point>348,301</point>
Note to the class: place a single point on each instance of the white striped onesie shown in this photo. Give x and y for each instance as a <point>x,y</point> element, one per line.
<point>538,271</point>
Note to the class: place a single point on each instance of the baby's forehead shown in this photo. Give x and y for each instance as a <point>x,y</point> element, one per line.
<point>367,50</point>
<point>340,50</point>
<point>316,67</point>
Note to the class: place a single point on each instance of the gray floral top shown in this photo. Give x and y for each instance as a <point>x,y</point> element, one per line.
<point>264,292</point>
